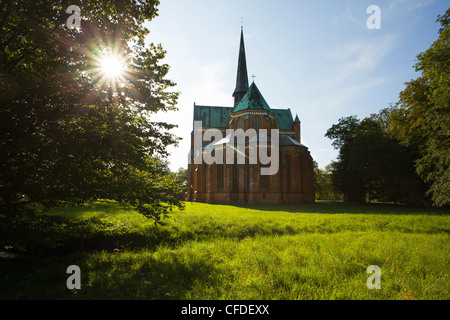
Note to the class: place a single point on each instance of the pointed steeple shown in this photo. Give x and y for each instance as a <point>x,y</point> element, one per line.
<point>296,127</point>
<point>242,76</point>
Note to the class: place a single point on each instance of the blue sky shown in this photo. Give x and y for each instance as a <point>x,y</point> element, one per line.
<point>317,58</point>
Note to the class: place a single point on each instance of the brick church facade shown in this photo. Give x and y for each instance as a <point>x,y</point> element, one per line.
<point>225,182</point>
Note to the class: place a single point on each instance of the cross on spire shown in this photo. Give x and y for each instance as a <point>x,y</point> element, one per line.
<point>242,22</point>
<point>253,76</point>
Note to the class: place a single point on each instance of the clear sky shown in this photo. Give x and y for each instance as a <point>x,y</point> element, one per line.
<point>317,58</point>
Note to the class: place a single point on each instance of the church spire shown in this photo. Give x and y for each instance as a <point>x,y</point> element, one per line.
<point>242,76</point>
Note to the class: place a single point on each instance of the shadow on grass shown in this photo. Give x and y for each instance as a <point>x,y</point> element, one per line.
<point>120,264</point>
<point>115,263</point>
<point>138,275</point>
<point>45,235</point>
<point>41,235</point>
<point>331,207</point>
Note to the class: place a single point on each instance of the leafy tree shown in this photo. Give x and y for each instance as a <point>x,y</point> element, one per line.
<point>181,177</point>
<point>434,166</point>
<point>323,183</point>
<point>346,178</point>
<point>383,156</point>
<point>343,132</point>
<point>68,131</point>
<point>421,119</point>
<point>371,165</point>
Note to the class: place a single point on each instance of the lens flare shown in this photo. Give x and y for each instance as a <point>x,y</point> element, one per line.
<point>112,66</point>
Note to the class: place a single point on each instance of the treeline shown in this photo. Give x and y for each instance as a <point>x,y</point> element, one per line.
<point>401,154</point>
<point>323,183</point>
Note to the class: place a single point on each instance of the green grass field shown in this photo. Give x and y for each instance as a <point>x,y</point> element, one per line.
<point>314,251</point>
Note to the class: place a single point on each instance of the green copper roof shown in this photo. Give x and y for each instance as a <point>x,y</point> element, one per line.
<point>283,119</point>
<point>252,100</point>
<point>218,117</point>
<point>212,117</point>
<point>296,118</point>
<point>242,76</point>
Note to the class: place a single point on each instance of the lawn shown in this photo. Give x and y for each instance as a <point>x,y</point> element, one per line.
<point>311,251</point>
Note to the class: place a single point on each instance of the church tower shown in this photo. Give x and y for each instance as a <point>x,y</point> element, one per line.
<point>242,76</point>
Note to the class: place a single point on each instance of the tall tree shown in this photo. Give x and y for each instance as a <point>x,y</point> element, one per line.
<point>383,156</point>
<point>371,165</point>
<point>421,118</point>
<point>70,130</point>
<point>434,63</point>
<point>346,177</point>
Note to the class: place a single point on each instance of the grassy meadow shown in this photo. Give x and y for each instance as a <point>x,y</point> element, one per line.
<point>310,251</point>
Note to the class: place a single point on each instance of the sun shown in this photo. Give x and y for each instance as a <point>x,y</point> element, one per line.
<point>112,66</point>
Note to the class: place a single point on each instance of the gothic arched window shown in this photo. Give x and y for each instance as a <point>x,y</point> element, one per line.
<point>256,124</point>
<point>240,124</point>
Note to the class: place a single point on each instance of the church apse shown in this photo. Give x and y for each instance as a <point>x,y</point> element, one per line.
<point>248,153</point>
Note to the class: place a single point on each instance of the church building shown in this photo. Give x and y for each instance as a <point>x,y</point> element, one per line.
<point>243,183</point>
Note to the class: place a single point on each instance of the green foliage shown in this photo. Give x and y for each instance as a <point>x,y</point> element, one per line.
<point>434,166</point>
<point>403,152</point>
<point>343,132</point>
<point>371,165</point>
<point>323,184</point>
<point>67,133</point>
<point>421,118</point>
<point>181,176</point>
